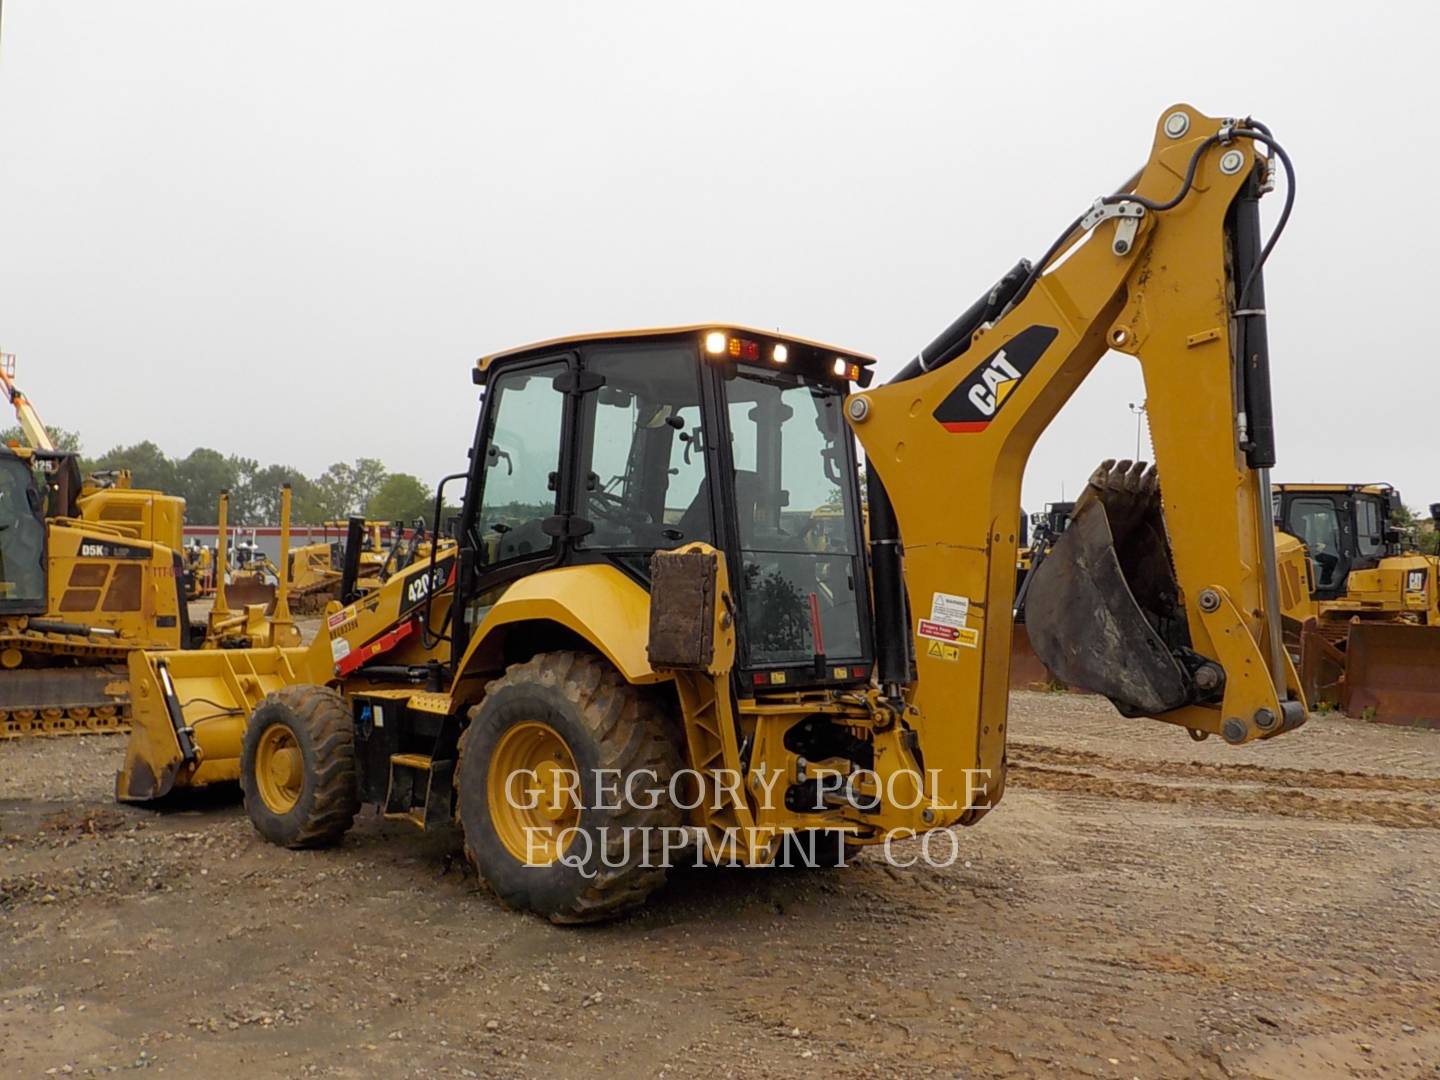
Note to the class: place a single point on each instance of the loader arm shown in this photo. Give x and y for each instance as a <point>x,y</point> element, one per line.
<point>1151,272</point>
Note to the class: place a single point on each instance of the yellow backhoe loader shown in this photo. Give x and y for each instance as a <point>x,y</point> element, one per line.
<point>642,640</point>
<point>1369,621</point>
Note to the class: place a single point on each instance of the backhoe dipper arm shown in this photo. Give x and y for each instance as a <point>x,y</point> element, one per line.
<point>1185,630</point>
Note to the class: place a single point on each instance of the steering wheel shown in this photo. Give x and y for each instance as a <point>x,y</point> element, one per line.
<point>614,508</point>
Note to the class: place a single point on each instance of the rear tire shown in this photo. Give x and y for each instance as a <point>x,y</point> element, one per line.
<point>576,709</point>
<point>297,767</point>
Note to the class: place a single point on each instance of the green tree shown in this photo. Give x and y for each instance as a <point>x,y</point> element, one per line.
<point>370,477</point>
<point>69,441</point>
<point>265,486</point>
<point>199,478</point>
<point>243,491</point>
<point>335,492</point>
<point>347,489</point>
<point>401,497</point>
<point>148,465</point>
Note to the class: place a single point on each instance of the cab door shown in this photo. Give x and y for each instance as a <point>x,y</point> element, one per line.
<point>22,541</point>
<point>512,524</point>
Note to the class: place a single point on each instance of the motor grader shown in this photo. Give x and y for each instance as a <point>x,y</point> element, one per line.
<point>1368,618</point>
<point>640,635</point>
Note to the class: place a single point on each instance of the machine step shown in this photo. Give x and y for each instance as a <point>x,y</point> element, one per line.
<point>419,790</point>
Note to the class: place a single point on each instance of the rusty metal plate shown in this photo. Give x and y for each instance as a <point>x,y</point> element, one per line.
<point>682,609</point>
<point>1393,669</point>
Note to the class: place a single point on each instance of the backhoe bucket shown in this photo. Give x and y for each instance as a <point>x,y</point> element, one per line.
<point>1394,670</point>
<point>1096,601</point>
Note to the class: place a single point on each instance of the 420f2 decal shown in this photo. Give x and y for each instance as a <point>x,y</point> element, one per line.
<point>981,394</point>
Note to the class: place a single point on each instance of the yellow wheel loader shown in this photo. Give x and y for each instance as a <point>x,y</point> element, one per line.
<point>641,648</point>
<point>1369,621</point>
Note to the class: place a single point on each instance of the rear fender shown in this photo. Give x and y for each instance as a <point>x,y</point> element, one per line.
<point>596,603</point>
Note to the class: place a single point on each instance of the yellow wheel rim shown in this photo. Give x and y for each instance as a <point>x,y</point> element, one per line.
<point>279,769</point>
<point>533,786</point>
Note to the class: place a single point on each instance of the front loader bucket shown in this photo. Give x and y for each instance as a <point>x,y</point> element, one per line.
<point>1394,670</point>
<point>188,715</point>
<point>1097,600</point>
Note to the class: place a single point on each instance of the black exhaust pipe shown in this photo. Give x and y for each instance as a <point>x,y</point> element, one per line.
<point>350,571</point>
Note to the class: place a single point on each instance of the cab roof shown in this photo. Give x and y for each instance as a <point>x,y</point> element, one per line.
<point>1349,489</point>
<point>696,329</point>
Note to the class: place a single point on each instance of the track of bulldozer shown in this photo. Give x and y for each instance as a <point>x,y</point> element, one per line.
<point>64,686</point>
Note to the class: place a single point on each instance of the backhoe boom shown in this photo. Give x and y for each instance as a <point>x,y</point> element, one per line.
<point>1155,272</point>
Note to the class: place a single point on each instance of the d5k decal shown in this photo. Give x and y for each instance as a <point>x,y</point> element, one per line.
<point>973,404</point>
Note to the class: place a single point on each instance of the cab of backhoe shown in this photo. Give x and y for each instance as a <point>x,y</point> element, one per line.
<point>604,450</point>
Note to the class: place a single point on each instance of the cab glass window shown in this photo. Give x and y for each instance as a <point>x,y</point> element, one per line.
<point>520,466</point>
<point>22,540</point>
<point>1369,537</point>
<point>1317,523</point>
<point>642,476</point>
<point>796,519</point>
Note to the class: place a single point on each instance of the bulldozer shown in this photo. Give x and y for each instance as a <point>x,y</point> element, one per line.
<point>1368,617</point>
<point>1026,670</point>
<point>83,582</point>
<point>90,569</point>
<point>641,643</point>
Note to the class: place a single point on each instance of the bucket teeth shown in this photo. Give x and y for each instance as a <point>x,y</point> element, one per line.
<point>1103,609</point>
<point>1130,494</point>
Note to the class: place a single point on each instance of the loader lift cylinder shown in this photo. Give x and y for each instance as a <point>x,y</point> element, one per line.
<point>350,571</point>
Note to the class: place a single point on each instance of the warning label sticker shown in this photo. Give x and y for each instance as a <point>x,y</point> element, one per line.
<point>968,636</point>
<point>941,651</point>
<point>935,631</point>
<point>949,609</point>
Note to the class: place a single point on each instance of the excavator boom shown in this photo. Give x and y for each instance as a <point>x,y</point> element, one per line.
<point>1161,593</point>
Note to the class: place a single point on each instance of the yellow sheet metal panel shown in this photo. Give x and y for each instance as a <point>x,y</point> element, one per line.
<point>601,604</point>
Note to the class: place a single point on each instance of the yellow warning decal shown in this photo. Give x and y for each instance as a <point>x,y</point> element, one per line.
<point>969,637</point>
<point>942,650</point>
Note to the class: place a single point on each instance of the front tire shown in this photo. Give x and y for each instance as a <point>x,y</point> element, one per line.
<point>297,767</point>
<point>572,860</point>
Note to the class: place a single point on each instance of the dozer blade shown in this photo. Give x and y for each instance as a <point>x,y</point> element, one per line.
<point>1026,670</point>
<point>244,593</point>
<point>1099,600</point>
<point>1393,669</point>
<point>1321,666</point>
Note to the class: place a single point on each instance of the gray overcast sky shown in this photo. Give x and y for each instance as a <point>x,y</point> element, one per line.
<point>287,229</point>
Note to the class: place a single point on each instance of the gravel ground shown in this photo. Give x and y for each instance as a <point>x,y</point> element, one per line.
<point>1138,906</point>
